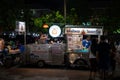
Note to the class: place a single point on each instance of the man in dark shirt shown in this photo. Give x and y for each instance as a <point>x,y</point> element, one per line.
<point>103,56</point>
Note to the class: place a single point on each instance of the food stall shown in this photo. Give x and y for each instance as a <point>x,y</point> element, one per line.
<point>77,48</point>
<point>72,53</point>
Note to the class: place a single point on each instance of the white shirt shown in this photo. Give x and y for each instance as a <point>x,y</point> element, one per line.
<point>91,55</point>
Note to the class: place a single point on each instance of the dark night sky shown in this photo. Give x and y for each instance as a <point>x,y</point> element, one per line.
<point>81,6</point>
<point>58,4</point>
<point>51,4</point>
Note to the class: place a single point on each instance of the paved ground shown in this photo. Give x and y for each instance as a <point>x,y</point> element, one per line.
<point>48,74</point>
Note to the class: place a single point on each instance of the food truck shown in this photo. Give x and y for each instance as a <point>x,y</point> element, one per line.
<point>77,44</point>
<point>72,53</point>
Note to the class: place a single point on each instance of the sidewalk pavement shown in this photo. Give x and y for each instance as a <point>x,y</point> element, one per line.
<point>4,75</point>
<point>117,72</point>
<point>116,75</point>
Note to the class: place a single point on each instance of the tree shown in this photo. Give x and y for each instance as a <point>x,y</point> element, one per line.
<point>9,13</point>
<point>51,18</point>
<point>72,17</point>
<point>8,19</point>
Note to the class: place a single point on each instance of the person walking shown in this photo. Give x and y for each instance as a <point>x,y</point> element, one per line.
<point>92,59</point>
<point>103,57</point>
<point>112,57</point>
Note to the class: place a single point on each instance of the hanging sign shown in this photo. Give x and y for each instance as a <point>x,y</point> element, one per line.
<point>20,26</point>
<point>55,31</point>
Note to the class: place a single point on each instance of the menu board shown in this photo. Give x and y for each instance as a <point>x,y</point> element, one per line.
<point>75,43</point>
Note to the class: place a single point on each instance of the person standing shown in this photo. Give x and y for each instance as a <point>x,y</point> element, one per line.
<point>112,57</point>
<point>103,57</point>
<point>92,58</point>
<point>86,42</point>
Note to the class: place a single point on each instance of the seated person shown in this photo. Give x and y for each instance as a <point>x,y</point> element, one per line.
<point>3,50</point>
<point>13,48</point>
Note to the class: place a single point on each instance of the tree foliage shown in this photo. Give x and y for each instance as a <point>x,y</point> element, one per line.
<point>54,17</point>
<point>8,18</point>
<point>72,17</point>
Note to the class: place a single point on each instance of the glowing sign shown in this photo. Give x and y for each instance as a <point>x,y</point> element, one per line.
<point>54,31</point>
<point>20,26</point>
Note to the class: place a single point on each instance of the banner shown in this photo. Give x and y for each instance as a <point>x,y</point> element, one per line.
<point>84,31</point>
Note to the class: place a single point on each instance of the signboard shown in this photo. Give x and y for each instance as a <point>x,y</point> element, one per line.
<point>55,31</point>
<point>20,26</point>
<point>84,31</point>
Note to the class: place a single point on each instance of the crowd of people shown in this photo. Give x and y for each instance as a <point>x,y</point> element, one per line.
<point>11,49</point>
<point>102,57</point>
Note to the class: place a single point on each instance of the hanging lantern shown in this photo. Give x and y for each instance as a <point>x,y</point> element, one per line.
<point>45,26</point>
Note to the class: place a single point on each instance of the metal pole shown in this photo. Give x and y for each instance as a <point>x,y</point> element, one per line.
<point>65,10</point>
<point>26,55</point>
<point>25,35</point>
<point>25,38</point>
